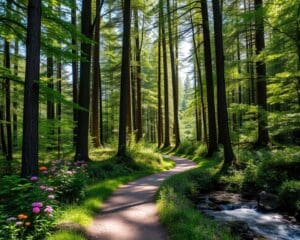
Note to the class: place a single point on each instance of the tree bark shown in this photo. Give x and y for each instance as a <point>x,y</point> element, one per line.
<point>125,77</point>
<point>174,78</point>
<point>221,88</point>
<point>7,105</point>
<point>166,84</point>
<point>82,151</point>
<point>261,84</point>
<point>96,81</point>
<point>58,108</point>
<point>200,83</point>
<point>74,72</point>
<point>159,107</point>
<point>15,102</point>
<point>139,133</point>
<point>31,90</point>
<point>212,139</point>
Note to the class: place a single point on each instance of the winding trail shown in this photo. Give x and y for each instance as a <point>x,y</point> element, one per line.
<point>130,213</point>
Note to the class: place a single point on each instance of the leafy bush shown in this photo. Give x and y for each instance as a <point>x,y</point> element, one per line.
<point>26,208</point>
<point>69,180</point>
<point>280,167</point>
<point>289,196</point>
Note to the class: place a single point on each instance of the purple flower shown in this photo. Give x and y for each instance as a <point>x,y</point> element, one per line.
<point>42,187</point>
<point>48,209</point>
<point>19,223</point>
<point>36,210</point>
<point>45,172</point>
<point>34,178</point>
<point>11,219</point>
<point>51,196</point>
<point>50,189</point>
<point>37,204</point>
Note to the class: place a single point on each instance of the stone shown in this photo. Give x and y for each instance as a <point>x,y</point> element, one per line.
<point>267,201</point>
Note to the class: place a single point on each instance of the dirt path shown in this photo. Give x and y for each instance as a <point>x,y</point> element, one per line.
<point>130,213</point>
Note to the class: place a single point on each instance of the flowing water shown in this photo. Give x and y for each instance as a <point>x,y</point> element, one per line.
<point>269,225</point>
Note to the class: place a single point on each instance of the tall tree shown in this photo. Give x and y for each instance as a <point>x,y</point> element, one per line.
<point>261,83</point>
<point>199,77</point>
<point>212,139</point>
<point>96,79</point>
<point>138,46</point>
<point>166,83</point>
<point>82,150</point>
<point>159,107</point>
<point>8,97</point>
<point>15,102</point>
<point>74,70</point>
<point>125,77</point>
<point>174,78</point>
<point>31,90</point>
<point>221,91</point>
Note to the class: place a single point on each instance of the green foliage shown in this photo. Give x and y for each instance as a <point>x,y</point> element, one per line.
<point>281,166</point>
<point>19,219</point>
<point>289,195</point>
<point>69,181</point>
<point>175,206</point>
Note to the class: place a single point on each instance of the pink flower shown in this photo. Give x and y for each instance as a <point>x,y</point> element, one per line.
<point>34,178</point>
<point>37,204</point>
<point>36,210</point>
<point>19,223</point>
<point>42,187</point>
<point>51,196</point>
<point>45,172</point>
<point>50,189</point>
<point>48,210</point>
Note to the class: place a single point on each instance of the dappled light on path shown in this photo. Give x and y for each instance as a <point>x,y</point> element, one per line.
<point>130,213</point>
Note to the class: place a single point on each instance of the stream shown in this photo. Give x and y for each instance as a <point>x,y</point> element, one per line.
<point>232,210</point>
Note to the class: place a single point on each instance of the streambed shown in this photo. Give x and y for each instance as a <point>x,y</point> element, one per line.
<point>242,215</point>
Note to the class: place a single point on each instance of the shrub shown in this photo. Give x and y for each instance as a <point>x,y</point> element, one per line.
<point>69,180</point>
<point>26,209</point>
<point>281,166</point>
<point>289,196</point>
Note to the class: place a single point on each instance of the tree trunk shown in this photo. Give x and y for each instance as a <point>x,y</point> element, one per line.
<point>74,72</point>
<point>58,108</point>
<point>15,102</point>
<point>7,106</point>
<point>139,133</point>
<point>166,84</point>
<point>212,139</point>
<point>82,151</point>
<point>221,89</point>
<point>31,90</point>
<point>125,77</point>
<point>261,84</point>
<point>159,111</point>
<point>174,78</point>
<point>200,83</point>
<point>96,80</point>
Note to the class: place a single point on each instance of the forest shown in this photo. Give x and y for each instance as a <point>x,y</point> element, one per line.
<point>158,119</point>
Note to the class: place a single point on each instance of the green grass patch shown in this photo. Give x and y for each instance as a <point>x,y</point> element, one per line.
<point>66,235</point>
<point>176,208</point>
<point>105,177</point>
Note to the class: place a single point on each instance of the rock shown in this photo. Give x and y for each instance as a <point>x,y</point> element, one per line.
<point>221,197</point>
<point>209,206</point>
<point>242,229</point>
<point>267,201</point>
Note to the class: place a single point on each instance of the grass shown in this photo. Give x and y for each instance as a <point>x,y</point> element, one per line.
<point>66,235</point>
<point>177,211</point>
<point>142,161</point>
